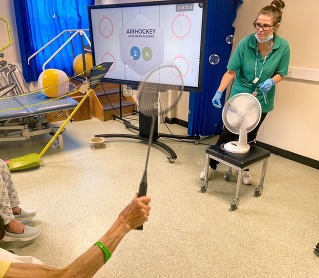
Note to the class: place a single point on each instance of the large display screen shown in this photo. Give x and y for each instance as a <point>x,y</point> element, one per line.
<point>138,37</point>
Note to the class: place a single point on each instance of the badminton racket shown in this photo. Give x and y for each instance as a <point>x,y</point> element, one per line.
<point>162,85</point>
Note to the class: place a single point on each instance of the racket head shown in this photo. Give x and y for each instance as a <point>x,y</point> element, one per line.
<point>160,91</point>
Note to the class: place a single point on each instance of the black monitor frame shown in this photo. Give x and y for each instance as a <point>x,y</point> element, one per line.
<point>179,4</point>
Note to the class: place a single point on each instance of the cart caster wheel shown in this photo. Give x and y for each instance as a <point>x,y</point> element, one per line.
<point>228,176</point>
<point>204,187</point>
<point>258,191</point>
<point>234,204</point>
<point>316,251</point>
<point>171,160</point>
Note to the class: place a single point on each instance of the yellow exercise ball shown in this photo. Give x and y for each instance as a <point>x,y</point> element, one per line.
<point>78,65</point>
<point>53,83</point>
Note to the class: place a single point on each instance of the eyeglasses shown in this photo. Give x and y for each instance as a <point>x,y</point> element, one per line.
<point>265,27</point>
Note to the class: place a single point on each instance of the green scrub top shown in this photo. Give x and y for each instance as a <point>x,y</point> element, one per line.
<point>243,62</point>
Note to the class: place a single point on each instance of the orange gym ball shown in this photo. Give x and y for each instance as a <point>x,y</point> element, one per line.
<point>78,65</point>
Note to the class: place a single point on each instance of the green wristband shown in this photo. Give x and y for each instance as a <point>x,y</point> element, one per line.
<point>106,251</point>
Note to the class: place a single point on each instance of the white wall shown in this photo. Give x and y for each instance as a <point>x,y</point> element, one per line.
<point>11,53</point>
<point>293,125</point>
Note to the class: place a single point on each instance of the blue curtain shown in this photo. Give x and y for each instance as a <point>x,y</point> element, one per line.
<point>204,119</point>
<point>38,22</point>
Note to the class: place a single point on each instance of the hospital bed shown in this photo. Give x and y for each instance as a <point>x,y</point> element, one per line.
<point>23,116</point>
<point>23,113</point>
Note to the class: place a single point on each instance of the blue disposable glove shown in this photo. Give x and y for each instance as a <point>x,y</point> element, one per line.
<point>266,86</point>
<point>216,99</point>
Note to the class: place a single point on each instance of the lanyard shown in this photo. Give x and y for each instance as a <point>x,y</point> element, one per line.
<point>262,66</point>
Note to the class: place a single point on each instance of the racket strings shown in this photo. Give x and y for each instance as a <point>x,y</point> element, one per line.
<point>163,85</point>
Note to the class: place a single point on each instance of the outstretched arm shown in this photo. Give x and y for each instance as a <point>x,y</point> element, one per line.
<point>133,216</point>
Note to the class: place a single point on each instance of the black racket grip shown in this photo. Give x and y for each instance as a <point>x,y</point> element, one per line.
<point>142,192</point>
<point>140,228</point>
<point>143,189</point>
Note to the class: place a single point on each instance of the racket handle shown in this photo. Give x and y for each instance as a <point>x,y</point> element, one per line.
<point>140,228</point>
<point>143,189</point>
<point>142,192</point>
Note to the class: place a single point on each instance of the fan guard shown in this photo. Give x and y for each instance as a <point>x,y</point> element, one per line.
<point>241,114</point>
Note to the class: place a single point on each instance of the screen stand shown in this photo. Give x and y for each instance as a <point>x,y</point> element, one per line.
<point>144,130</point>
<point>120,103</point>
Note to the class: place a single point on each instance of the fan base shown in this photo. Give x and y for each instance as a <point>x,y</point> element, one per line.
<point>235,147</point>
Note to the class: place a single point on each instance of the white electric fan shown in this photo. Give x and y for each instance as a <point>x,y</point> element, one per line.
<point>241,114</point>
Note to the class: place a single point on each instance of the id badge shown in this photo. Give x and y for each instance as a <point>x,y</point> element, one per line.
<point>255,80</point>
